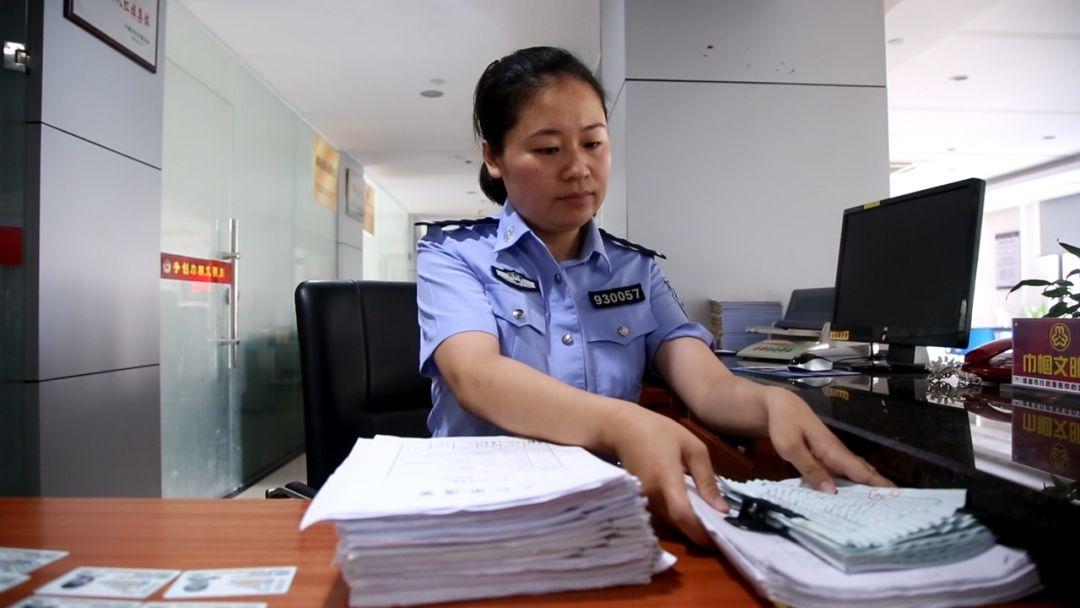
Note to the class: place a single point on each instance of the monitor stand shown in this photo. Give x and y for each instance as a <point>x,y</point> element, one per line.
<point>899,359</point>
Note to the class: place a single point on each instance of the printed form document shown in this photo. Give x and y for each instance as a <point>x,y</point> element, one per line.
<point>443,519</point>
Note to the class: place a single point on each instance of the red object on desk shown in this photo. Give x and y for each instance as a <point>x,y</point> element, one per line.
<point>11,245</point>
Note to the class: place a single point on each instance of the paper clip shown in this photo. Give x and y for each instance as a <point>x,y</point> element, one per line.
<point>754,516</point>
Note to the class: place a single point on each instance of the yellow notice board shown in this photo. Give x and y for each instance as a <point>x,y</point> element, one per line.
<point>326,173</point>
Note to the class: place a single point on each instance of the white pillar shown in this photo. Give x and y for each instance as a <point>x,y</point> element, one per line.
<point>741,131</point>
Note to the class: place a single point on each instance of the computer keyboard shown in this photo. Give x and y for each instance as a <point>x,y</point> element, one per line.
<point>862,529</point>
<point>857,518</point>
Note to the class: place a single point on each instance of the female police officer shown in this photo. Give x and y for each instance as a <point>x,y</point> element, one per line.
<point>537,323</point>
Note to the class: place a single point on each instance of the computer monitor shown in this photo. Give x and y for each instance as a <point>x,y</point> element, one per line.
<point>906,271</point>
<point>808,309</point>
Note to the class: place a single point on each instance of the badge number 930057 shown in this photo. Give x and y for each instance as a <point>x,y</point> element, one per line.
<point>619,296</point>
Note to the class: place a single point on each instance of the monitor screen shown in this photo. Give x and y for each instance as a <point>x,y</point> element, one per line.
<point>906,272</point>
<point>808,309</point>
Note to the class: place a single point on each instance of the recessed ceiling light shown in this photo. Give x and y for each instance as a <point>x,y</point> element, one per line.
<point>470,192</point>
<point>437,81</point>
<point>896,41</point>
<point>951,150</point>
<point>958,78</point>
<point>431,93</point>
<point>468,161</point>
<point>1049,136</point>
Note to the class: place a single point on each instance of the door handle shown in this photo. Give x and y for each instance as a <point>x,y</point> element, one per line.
<point>232,341</point>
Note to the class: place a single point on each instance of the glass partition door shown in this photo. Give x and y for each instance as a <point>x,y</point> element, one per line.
<point>232,152</point>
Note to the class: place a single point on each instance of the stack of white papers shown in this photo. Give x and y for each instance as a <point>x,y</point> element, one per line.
<point>786,572</point>
<point>434,520</point>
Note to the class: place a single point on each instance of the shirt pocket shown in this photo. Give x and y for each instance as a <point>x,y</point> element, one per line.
<point>522,325</point>
<point>616,338</point>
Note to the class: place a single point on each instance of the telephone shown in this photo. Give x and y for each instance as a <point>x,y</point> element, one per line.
<point>991,361</point>
<point>778,349</point>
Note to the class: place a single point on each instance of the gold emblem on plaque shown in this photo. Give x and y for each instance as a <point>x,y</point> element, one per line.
<point>1059,458</point>
<point>1059,336</point>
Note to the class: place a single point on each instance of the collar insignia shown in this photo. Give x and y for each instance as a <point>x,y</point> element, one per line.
<point>515,279</point>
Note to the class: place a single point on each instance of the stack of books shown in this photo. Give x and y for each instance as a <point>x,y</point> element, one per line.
<point>864,546</point>
<point>437,520</point>
<point>729,321</point>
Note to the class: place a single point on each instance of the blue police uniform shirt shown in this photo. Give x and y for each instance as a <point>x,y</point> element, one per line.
<point>594,322</point>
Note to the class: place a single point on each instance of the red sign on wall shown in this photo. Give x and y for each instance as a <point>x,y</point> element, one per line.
<point>183,268</point>
<point>11,238</point>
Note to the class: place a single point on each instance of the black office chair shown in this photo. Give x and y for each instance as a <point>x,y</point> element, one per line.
<point>359,370</point>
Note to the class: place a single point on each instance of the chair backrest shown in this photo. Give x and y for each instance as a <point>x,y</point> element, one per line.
<point>359,367</point>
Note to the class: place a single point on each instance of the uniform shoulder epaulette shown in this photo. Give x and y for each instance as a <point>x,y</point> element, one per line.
<point>633,245</point>
<point>460,223</point>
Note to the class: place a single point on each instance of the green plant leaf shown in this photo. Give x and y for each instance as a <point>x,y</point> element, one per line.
<point>1057,310</point>
<point>1063,283</point>
<point>1074,271</point>
<point>1029,283</point>
<point>1057,292</point>
<point>1070,248</point>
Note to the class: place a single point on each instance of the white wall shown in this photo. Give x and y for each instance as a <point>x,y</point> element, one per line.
<point>741,157</point>
<point>612,216</point>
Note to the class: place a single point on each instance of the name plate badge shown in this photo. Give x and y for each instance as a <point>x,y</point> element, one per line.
<point>620,296</point>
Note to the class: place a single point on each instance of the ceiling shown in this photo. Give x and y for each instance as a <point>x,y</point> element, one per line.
<point>354,69</point>
<point>1019,106</point>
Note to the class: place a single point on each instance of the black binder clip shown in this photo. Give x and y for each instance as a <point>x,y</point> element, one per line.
<point>754,516</point>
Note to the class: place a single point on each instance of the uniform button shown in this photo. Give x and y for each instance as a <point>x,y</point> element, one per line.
<point>567,339</point>
<point>624,331</point>
<point>558,278</point>
<point>509,233</point>
<point>518,313</point>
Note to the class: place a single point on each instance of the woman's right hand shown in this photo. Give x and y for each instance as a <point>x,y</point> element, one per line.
<point>659,451</point>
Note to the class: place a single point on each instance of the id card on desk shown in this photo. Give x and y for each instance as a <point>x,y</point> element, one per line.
<point>127,583</point>
<point>42,601</point>
<point>11,579</point>
<point>25,561</point>
<point>231,582</point>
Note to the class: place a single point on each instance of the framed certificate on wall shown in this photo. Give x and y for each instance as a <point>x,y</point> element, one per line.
<point>354,193</point>
<point>129,26</point>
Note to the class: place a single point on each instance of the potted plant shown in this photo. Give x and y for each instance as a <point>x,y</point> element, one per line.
<point>1063,290</point>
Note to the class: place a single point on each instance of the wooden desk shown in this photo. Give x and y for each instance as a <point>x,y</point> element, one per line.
<point>195,534</point>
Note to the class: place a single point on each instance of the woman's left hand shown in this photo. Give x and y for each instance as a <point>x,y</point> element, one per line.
<point>800,437</point>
